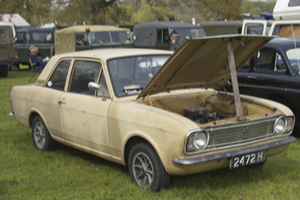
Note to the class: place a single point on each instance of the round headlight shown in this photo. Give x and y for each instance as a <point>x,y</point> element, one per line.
<point>200,140</point>
<point>279,126</point>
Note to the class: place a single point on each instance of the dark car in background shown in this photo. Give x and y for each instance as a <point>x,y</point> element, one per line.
<point>157,34</point>
<point>43,39</point>
<point>273,73</point>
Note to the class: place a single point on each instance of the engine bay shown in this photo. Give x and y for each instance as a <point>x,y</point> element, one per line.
<point>207,107</point>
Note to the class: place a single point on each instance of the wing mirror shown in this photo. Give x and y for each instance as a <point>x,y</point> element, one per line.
<point>96,87</point>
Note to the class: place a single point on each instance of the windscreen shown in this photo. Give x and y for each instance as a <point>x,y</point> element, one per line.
<point>131,74</point>
<point>186,33</point>
<point>42,37</point>
<point>106,38</point>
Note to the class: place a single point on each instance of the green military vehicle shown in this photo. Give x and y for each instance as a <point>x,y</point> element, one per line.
<point>157,34</point>
<point>43,39</point>
<point>78,38</point>
<point>8,51</point>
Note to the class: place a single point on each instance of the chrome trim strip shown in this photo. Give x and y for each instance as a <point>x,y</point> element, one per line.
<point>231,153</point>
<point>268,88</point>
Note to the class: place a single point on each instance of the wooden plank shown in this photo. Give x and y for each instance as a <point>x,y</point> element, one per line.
<point>235,86</point>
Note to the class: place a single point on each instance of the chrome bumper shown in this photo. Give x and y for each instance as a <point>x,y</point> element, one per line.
<point>229,154</point>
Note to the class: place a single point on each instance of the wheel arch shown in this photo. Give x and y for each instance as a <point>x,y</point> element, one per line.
<point>131,142</point>
<point>32,115</point>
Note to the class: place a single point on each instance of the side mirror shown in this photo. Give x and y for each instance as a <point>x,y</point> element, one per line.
<point>96,87</point>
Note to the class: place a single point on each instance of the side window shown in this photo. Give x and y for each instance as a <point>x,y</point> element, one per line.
<point>20,38</point>
<point>2,33</point>
<point>83,73</point>
<point>254,29</point>
<point>279,66</point>
<point>27,38</point>
<point>59,76</point>
<point>81,39</point>
<point>294,3</point>
<point>269,61</point>
<point>159,36</point>
<point>103,87</point>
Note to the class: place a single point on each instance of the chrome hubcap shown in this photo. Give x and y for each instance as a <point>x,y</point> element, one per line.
<point>143,170</point>
<point>39,135</point>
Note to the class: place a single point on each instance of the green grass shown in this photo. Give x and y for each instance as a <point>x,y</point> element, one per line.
<point>26,173</point>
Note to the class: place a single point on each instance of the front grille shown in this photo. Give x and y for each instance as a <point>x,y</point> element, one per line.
<point>240,133</point>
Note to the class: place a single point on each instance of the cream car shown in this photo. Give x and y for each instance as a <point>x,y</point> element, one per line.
<point>157,112</point>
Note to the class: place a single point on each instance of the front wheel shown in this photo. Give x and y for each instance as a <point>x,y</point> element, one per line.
<point>146,169</point>
<point>42,140</point>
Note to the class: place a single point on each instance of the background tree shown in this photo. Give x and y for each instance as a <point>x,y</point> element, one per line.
<point>120,14</point>
<point>256,8</point>
<point>90,11</point>
<point>28,9</point>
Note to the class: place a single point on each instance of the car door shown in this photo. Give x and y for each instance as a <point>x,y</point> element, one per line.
<point>83,113</point>
<point>51,93</point>
<point>269,76</point>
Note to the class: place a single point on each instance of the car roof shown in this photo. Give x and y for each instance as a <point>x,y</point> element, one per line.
<point>105,54</point>
<point>93,28</point>
<point>26,30</point>
<point>283,43</point>
<point>159,24</point>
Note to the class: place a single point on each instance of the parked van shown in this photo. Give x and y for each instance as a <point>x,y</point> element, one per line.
<point>286,23</point>
<point>8,51</point>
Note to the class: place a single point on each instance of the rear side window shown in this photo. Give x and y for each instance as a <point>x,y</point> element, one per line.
<point>20,38</point>
<point>294,3</point>
<point>59,76</point>
<point>2,33</point>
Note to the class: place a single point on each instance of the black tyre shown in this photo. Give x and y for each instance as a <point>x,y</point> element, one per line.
<point>146,169</point>
<point>42,140</point>
<point>4,71</point>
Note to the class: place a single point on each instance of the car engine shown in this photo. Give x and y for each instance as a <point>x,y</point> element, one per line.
<point>200,115</point>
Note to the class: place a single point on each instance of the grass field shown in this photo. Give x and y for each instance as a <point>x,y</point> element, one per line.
<point>26,173</point>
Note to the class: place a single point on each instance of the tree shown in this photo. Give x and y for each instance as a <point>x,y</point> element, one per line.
<point>256,8</point>
<point>91,11</point>
<point>224,9</point>
<point>120,14</point>
<point>28,9</point>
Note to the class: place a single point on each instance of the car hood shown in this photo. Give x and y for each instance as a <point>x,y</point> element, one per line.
<point>203,63</point>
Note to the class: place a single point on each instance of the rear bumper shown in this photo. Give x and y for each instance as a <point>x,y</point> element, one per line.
<point>231,153</point>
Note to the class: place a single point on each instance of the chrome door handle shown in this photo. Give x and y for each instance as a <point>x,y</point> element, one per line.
<point>61,101</point>
<point>252,77</point>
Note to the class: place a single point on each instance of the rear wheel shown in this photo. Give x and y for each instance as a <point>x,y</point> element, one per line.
<point>146,169</point>
<point>42,140</point>
<point>4,71</point>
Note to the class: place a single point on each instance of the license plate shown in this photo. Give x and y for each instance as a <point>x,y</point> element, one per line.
<point>247,159</point>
